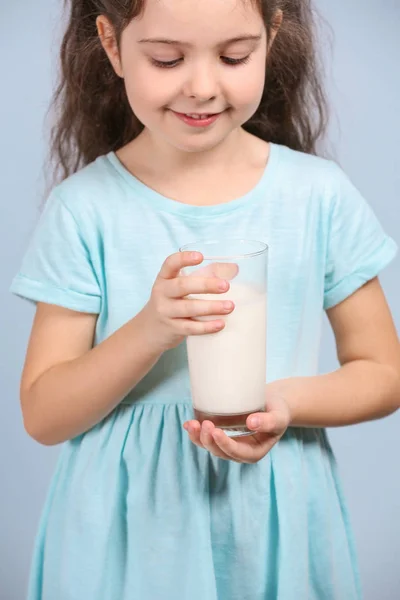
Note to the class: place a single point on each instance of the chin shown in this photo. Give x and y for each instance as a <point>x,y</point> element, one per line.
<point>195,148</point>
<point>198,143</point>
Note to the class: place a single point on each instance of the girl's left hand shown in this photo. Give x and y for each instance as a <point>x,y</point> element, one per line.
<point>268,429</point>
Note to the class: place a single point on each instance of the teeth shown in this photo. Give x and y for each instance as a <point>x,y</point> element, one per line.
<point>199,117</point>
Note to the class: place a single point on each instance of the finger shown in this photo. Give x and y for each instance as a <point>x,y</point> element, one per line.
<point>267,422</point>
<point>174,263</point>
<point>222,270</point>
<point>187,285</point>
<point>241,451</point>
<point>207,440</point>
<point>188,327</point>
<point>186,309</point>
<point>193,428</point>
<point>225,270</point>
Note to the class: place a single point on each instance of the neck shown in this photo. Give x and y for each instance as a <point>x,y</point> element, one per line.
<point>224,155</point>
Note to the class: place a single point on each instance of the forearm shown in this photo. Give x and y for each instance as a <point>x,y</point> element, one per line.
<point>360,390</point>
<point>72,397</point>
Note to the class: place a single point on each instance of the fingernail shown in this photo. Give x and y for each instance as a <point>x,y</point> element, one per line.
<point>223,286</point>
<point>255,422</point>
<point>196,255</point>
<point>185,426</point>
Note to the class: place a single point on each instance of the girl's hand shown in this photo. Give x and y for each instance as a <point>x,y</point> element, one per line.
<point>268,429</point>
<point>172,314</point>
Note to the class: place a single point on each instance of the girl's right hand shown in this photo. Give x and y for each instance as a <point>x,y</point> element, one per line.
<point>172,314</point>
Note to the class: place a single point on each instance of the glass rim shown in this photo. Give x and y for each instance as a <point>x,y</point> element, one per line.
<point>192,248</point>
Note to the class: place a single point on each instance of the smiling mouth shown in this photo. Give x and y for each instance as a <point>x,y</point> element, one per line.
<point>198,116</point>
<point>200,121</point>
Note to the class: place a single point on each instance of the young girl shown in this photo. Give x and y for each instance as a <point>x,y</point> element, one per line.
<point>183,121</point>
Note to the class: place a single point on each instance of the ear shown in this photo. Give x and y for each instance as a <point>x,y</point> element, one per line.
<point>275,26</point>
<point>108,40</point>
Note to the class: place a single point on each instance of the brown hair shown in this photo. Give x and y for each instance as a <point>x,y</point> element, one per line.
<point>91,109</point>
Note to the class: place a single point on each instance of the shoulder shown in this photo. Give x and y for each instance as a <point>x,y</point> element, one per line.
<point>313,173</point>
<point>317,184</point>
<point>94,188</point>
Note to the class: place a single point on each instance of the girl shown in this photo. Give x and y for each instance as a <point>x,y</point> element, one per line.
<point>182,121</point>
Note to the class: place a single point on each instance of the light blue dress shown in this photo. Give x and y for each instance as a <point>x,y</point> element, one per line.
<point>135,511</point>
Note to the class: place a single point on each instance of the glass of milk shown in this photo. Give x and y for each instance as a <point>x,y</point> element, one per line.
<point>228,369</point>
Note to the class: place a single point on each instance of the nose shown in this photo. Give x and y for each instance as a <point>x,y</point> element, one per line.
<point>202,83</point>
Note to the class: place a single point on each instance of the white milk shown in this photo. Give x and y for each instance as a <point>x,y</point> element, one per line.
<point>228,368</point>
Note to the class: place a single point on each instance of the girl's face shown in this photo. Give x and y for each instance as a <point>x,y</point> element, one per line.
<point>185,59</point>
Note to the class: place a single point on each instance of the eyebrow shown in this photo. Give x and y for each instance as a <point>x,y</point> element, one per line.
<point>240,38</point>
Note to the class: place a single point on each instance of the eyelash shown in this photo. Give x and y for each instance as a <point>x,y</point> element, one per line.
<point>231,62</point>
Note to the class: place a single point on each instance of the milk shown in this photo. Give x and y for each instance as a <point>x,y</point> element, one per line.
<point>228,368</point>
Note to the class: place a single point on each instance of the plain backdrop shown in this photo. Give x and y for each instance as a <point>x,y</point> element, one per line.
<point>362,76</point>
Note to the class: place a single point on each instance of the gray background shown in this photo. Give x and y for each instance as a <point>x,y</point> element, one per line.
<point>363,81</point>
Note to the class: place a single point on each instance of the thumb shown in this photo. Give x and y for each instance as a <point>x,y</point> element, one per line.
<point>276,418</point>
<point>264,422</point>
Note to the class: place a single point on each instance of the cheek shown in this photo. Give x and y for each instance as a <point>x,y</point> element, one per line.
<point>147,89</point>
<point>144,86</point>
<point>250,88</point>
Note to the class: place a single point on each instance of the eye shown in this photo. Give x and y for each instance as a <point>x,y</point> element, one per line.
<point>235,61</point>
<point>166,64</point>
<point>170,64</point>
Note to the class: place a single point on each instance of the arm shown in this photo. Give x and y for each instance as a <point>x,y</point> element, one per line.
<point>68,386</point>
<point>367,385</point>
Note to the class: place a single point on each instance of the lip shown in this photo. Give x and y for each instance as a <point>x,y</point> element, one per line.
<point>198,123</point>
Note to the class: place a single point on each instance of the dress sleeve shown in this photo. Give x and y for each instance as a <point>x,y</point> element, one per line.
<point>358,248</point>
<point>57,267</point>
